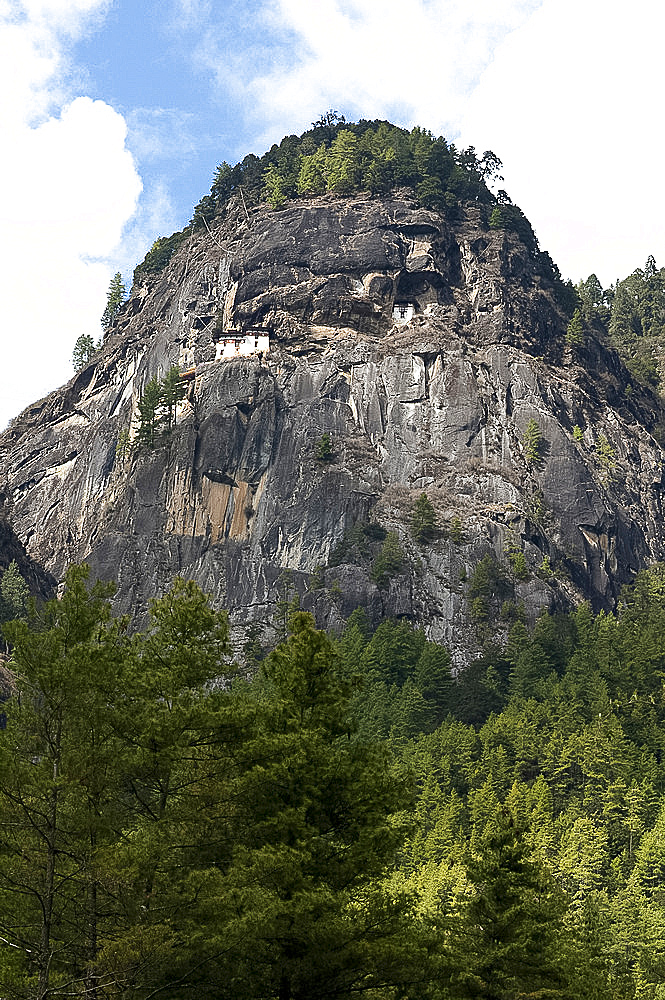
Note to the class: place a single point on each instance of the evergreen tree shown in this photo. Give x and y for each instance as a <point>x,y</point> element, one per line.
<point>575,330</point>
<point>61,792</point>
<point>342,163</point>
<point>513,921</point>
<point>324,449</point>
<point>311,179</point>
<point>297,910</point>
<point>149,416</point>
<point>274,186</point>
<point>14,594</point>
<point>172,392</point>
<point>594,300</point>
<point>423,520</point>
<point>85,349</point>
<point>532,440</point>
<point>389,561</point>
<point>115,298</point>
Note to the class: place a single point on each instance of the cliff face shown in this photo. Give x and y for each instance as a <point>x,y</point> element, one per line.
<point>235,496</point>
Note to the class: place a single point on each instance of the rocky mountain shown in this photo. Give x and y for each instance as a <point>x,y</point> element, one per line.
<point>429,347</point>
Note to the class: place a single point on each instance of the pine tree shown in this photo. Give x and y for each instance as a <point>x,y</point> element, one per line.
<point>423,520</point>
<point>532,443</point>
<point>14,594</point>
<point>342,163</point>
<point>575,330</point>
<point>513,920</point>
<point>115,298</point>
<point>389,561</point>
<point>274,186</point>
<point>321,824</point>
<point>311,179</point>
<point>85,349</point>
<point>324,449</point>
<point>148,408</point>
<point>172,392</point>
<point>61,790</point>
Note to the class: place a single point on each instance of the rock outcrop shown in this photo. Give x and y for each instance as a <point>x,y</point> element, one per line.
<point>236,497</point>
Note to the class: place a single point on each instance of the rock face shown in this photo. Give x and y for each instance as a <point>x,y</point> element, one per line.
<point>236,497</point>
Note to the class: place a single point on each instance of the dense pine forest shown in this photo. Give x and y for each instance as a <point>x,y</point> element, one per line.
<point>318,816</point>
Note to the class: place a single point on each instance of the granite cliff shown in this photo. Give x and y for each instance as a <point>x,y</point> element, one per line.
<point>438,400</point>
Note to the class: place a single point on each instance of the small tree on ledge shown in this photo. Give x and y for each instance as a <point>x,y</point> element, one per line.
<point>85,349</point>
<point>389,561</point>
<point>324,449</point>
<point>115,298</point>
<point>423,520</point>
<point>532,441</point>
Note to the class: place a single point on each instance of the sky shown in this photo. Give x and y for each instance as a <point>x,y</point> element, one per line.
<point>115,113</point>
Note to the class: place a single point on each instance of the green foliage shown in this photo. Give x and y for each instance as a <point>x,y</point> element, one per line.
<point>115,299</point>
<point>157,405</point>
<point>159,255</point>
<point>161,831</point>
<point>423,520</point>
<point>85,349</point>
<point>317,577</point>
<point>514,919</point>
<point>487,580</point>
<point>575,330</point>
<point>148,411</point>
<point>606,456</point>
<point>487,588</point>
<point>456,531</point>
<point>545,571</point>
<point>536,508</point>
<point>517,561</point>
<point>389,561</point>
<point>358,543</point>
<point>343,157</point>
<point>167,827</point>
<point>14,594</point>
<point>123,444</point>
<point>172,392</point>
<point>274,187</point>
<point>324,449</point>
<point>60,769</point>
<point>632,313</point>
<point>342,166</point>
<point>405,681</point>
<point>532,441</point>
<point>312,178</point>
<point>510,217</point>
<point>593,301</point>
<point>329,120</point>
<point>643,366</point>
<point>577,433</point>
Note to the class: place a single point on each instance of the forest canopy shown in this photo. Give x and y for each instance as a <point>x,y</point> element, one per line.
<point>329,816</point>
<point>342,158</point>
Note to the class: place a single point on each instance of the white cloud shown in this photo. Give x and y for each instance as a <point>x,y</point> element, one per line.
<point>155,216</point>
<point>420,58</point>
<point>571,104</point>
<point>67,186</point>
<point>189,14</point>
<point>568,94</point>
<point>162,133</point>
